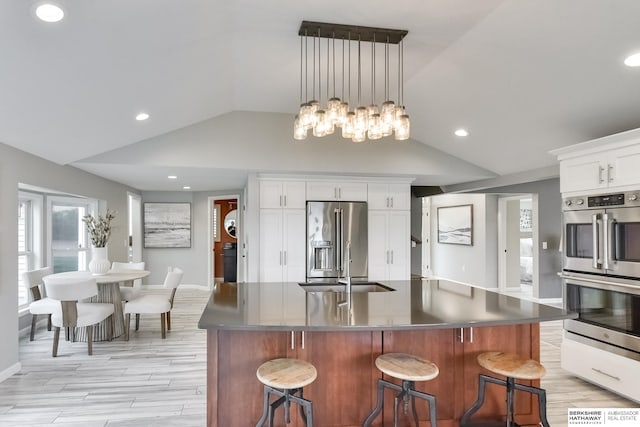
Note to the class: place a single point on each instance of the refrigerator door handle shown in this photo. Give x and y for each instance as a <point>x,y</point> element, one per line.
<point>338,246</point>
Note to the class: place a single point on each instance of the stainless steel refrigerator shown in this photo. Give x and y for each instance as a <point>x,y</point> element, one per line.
<point>330,225</point>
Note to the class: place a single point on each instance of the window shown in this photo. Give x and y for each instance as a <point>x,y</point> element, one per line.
<point>69,239</point>
<point>29,239</point>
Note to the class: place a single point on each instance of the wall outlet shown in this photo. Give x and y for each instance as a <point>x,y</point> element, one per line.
<point>544,245</point>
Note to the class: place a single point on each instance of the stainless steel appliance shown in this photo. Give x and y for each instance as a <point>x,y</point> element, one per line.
<point>608,314</point>
<point>602,234</point>
<point>330,225</point>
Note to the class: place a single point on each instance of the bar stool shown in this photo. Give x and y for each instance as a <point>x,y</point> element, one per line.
<point>513,367</point>
<point>408,368</point>
<point>284,378</point>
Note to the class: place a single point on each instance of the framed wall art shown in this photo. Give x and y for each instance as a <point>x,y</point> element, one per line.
<point>167,225</point>
<point>455,225</point>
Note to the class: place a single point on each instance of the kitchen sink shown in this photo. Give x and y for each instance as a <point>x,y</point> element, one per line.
<point>340,287</point>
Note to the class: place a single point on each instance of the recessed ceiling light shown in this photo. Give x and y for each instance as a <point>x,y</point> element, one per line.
<point>48,12</point>
<point>461,132</point>
<point>186,187</point>
<point>633,60</point>
<point>142,116</point>
<point>172,177</point>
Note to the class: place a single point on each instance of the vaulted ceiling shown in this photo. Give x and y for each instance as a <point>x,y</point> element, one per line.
<point>220,80</point>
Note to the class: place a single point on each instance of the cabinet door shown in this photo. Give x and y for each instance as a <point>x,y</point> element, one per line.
<point>352,191</point>
<point>232,384</point>
<point>399,238</point>
<point>343,393</point>
<point>400,196</point>
<point>321,191</point>
<point>294,260</point>
<point>378,249</point>
<point>520,339</point>
<point>378,196</point>
<point>583,173</point>
<point>271,195</point>
<point>438,346</point>
<point>294,194</point>
<point>625,168</point>
<point>271,243</point>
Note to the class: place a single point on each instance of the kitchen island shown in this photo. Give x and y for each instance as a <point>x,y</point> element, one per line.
<point>446,322</point>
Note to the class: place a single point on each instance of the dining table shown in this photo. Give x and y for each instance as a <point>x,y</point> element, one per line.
<point>108,292</point>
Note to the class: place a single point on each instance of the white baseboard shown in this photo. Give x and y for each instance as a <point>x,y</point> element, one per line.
<point>182,285</point>
<point>13,369</point>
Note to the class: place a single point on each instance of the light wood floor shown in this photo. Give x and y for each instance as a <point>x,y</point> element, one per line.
<point>153,382</point>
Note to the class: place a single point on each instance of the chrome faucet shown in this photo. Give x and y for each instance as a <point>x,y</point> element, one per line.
<point>346,278</point>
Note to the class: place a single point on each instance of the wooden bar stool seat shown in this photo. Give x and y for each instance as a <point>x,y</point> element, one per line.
<point>285,378</point>
<point>513,367</point>
<point>408,368</point>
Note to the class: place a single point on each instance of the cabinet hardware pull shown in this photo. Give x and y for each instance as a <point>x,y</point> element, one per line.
<point>595,237</point>
<point>609,173</point>
<point>605,243</point>
<point>293,340</point>
<point>285,200</point>
<point>303,340</point>
<point>600,172</point>
<point>280,257</point>
<point>605,374</point>
<point>391,256</point>
<point>387,202</point>
<point>471,335</point>
<point>391,201</point>
<point>461,334</point>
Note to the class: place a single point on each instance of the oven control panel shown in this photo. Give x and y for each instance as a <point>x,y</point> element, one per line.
<point>622,200</point>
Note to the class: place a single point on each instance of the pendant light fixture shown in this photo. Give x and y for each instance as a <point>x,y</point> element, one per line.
<point>357,123</point>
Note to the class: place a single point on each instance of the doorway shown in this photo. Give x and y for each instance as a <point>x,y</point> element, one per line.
<point>225,232</point>
<point>134,207</point>
<point>517,244</point>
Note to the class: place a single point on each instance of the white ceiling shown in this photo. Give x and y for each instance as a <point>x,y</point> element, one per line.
<point>523,76</point>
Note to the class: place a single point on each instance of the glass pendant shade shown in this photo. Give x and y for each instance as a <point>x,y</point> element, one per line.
<point>348,126</point>
<point>343,109</point>
<point>333,109</point>
<point>361,120</point>
<point>306,116</point>
<point>320,127</point>
<point>403,128</point>
<point>372,109</point>
<point>299,130</point>
<point>387,112</point>
<point>375,129</point>
<point>359,136</point>
<point>398,112</point>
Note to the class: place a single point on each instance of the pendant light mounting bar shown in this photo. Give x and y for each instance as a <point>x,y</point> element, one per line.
<point>340,31</point>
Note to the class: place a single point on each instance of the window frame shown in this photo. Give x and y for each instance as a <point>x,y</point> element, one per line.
<point>33,241</point>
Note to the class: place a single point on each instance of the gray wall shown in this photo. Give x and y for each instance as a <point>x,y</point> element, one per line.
<point>194,260</point>
<point>549,230</point>
<point>19,167</point>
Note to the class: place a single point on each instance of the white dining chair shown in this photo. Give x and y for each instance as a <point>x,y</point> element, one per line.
<point>41,304</point>
<point>73,314</point>
<point>129,292</point>
<point>155,304</point>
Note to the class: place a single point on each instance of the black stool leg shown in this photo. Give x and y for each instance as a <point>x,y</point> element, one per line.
<point>482,379</point>
<point>510,395</point>
<point>265,409</point>
<point>380,401</point>
<point>413,393</point>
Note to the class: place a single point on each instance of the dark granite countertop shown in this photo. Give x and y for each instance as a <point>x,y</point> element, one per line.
<point>412,304</point>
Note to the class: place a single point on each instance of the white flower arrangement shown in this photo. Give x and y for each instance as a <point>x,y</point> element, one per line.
<point>99,229</point>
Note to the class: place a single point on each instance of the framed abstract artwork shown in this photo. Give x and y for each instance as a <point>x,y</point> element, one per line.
<point>455,225</point>
<point>167,225</point>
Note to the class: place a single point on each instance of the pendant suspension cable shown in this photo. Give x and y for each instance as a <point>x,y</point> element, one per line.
<point>314,69</point>
<point>349,68</point>
<point>300,69</point>
<point>402,68</point>
<point>359,72</point>
<point>342,69</point>
<point>306,67</point>
<point>373,70</point>
<point>386,69</point>
<point>319,72</point>
<point>333,50</point>
<point>334,83</point>
<point>399,99</point>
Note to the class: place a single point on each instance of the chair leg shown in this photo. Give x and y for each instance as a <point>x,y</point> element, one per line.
<point>49,323</point>
<point>56,338</point>
<point>137,321</point>
<point>168,320</point>
<point>34,319</point>
<point>110,331</point>
<point>127,325</point>
<point>89,339</point>
<point>162,325</point>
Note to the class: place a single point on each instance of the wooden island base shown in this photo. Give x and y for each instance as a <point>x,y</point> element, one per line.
<point>345,391</point>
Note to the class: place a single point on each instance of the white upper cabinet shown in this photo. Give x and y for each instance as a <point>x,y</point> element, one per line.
<point>342,191</point>
<point>282,194</point>
<point>389,196</point>
<point>609,163</point>
<point>389,245</point>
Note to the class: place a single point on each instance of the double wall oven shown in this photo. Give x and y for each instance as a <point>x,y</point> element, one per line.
<point>601,271</point>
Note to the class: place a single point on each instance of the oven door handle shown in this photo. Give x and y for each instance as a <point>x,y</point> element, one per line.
<point>595,241</point>
<point>605,238</point>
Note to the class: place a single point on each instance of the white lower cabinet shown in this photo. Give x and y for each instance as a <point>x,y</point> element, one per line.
<point>389,245</point>
<point>282,245</point>
<point>617,373</point>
